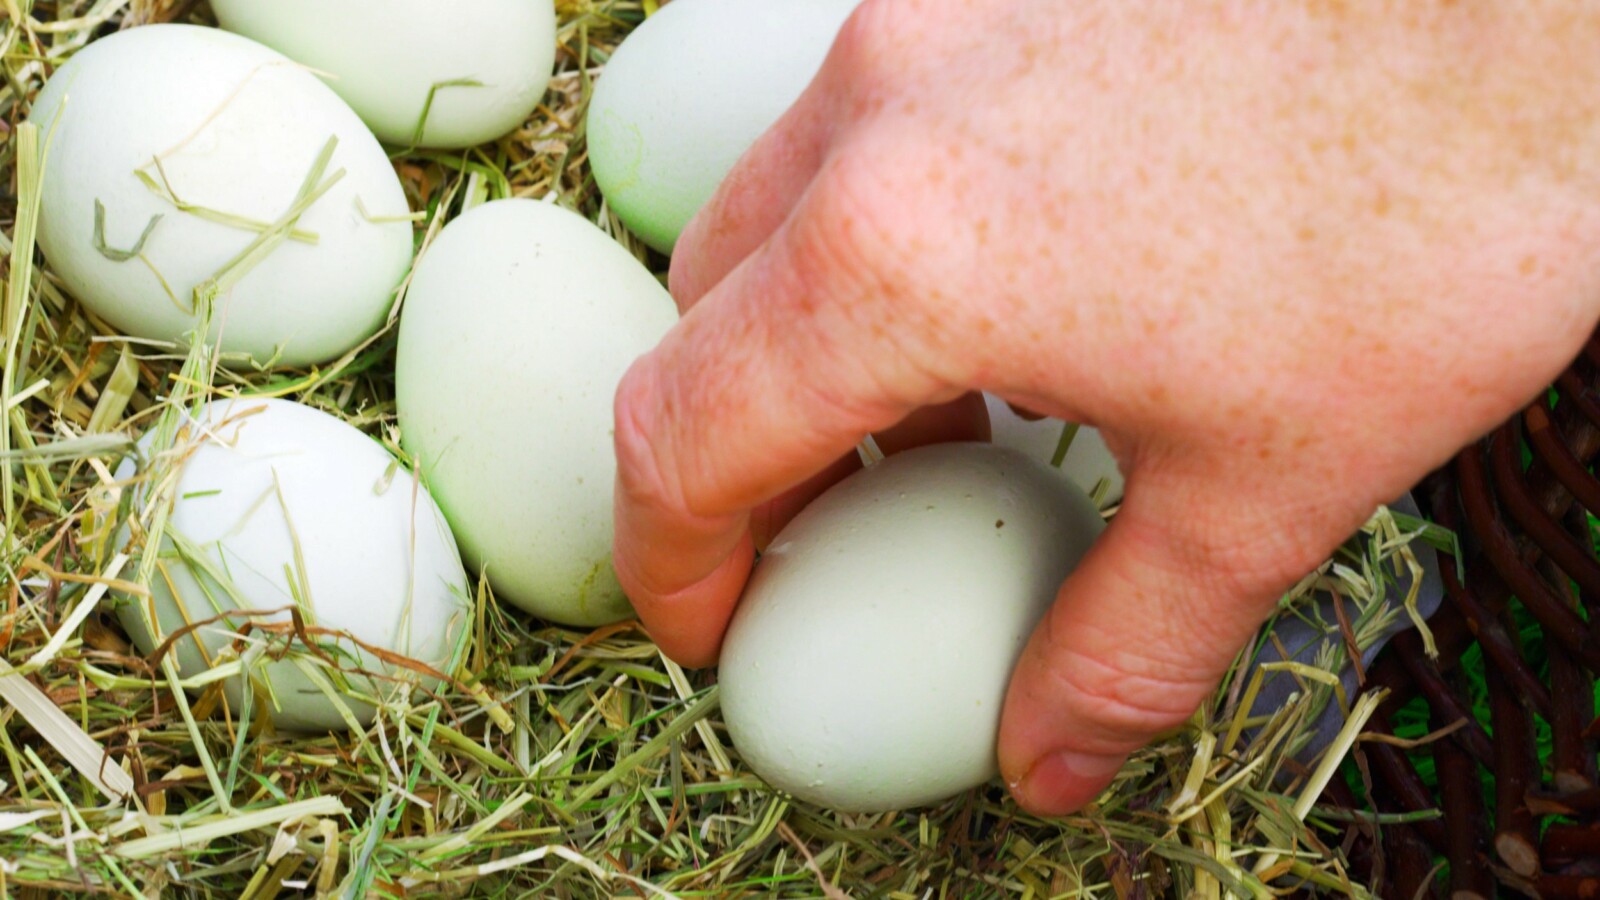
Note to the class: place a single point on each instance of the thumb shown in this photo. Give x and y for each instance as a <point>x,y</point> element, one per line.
<point>1143,630</point>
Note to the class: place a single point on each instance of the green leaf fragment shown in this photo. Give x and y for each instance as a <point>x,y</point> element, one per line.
<point>164,190</point>
<point>427,105</point>
<point>110,252</point>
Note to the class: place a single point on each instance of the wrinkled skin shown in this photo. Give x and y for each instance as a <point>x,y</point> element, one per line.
<point>1287,256</point>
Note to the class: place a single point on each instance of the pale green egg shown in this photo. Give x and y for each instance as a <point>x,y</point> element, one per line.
<point>472,70</point>
<point>521,319</point>
<point>689,91</point>
<point>173,151</point>
<point>866,667</point>
<point>283,507</point>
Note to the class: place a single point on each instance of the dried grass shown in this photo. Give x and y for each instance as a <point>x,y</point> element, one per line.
<point>558,763</point>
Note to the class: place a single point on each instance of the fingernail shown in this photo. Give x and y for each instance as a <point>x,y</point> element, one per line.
<point>1064,781</point>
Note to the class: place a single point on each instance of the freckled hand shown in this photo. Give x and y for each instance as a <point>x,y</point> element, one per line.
<point>1247,250</point>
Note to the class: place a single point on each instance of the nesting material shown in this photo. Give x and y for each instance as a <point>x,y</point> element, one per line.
<point>560,761</point>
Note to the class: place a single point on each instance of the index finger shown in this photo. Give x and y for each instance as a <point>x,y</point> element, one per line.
<point>779,370</point>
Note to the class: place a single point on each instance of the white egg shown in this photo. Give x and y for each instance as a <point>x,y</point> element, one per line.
<point>232,130</point>
<point>689,91</point>
<point>280,506</point>
<point>484,63</point>
<point>1089,463</point>
<point>519,324</point>
<point>868,660</point>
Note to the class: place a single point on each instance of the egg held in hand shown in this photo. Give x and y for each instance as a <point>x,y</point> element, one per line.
<point>868,660</point>
<point>521,319</point>
<point>177,155</point>
<point>280,507</point>
<point>468,70</point>
<point>689,91</point>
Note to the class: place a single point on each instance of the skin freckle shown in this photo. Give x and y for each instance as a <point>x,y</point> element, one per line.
<point>1052,217</point>
<point>1067,321</point>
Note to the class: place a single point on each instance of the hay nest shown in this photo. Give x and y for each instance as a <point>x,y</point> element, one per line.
<point>555,762</point>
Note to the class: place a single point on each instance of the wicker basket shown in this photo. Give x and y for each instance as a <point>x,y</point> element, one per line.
<point>1515,822</point>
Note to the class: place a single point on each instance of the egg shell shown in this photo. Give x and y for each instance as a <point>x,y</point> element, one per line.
<point>1089,461</point>
<point>520,322</point>
<point>385,57</point>
<point>688,92</point>
<point>868,660</point>
<point>238,128</point>
<point>283,502</point>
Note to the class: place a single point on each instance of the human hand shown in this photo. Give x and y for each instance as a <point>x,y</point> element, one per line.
<point>1288,257</point>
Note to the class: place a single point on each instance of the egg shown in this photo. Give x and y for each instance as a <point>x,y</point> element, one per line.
<point>520,322</point>
<point>172,149</point>
<point>483,64</point>
<point>689,91</point>
<point>1089,463</point>
<point>278,506</point>
<point>868,659</point>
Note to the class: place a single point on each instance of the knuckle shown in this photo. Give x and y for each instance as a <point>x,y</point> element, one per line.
<point>854,220</point>
<point>644,475</point>
<point>1258,559</point>
<point>1216,580</point>
<point>661,467</point>
<point>684,283</point>
<point>1234,545</point>
<point>866,242</point>
<point>867,34</point>
<point>1121,701</point>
